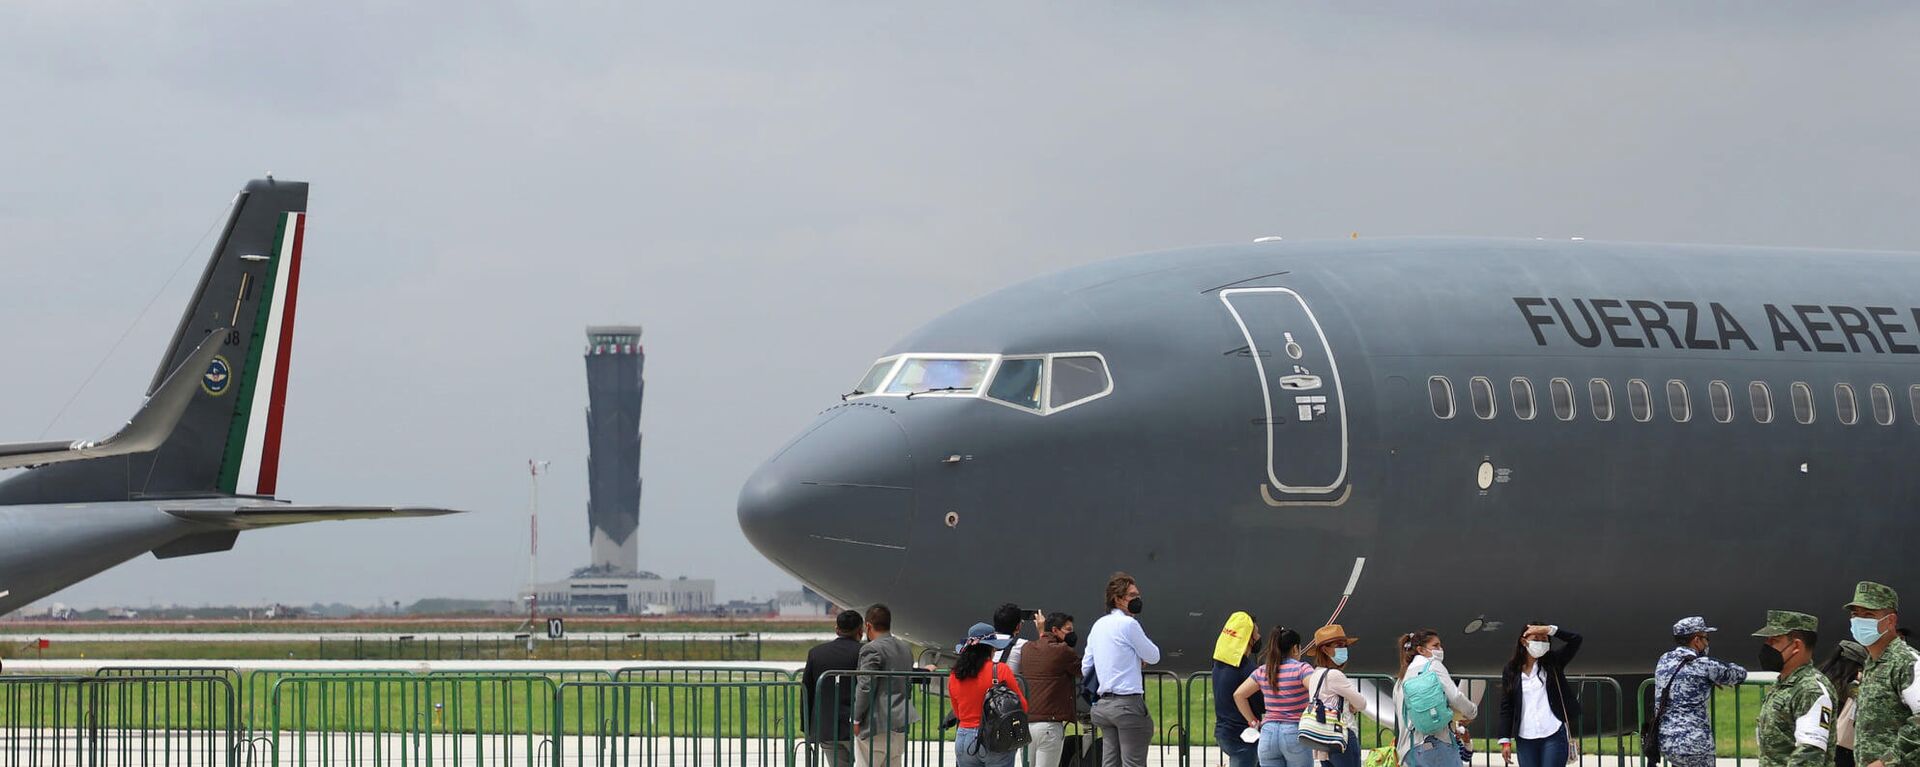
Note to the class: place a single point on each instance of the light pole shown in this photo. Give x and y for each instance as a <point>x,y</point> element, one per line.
<point>535,468</point>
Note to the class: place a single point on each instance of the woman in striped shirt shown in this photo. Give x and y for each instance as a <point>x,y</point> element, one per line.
<point>1281,682</point>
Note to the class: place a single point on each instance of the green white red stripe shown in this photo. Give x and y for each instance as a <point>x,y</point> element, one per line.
<point>263,391</point>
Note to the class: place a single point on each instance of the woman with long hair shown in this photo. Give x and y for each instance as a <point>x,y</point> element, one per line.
<point>1333,692</point>
<point>1422,657</point>
<point>1843,670</point>
<point>973,674</point>
<point>1536,703</point>
<point>1281,681</point>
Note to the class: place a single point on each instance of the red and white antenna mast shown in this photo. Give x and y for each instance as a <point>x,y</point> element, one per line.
<point>535,468</point>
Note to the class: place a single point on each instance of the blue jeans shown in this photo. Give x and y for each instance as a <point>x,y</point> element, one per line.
<point>968,753</point>
<point>1550,751</point>
<point>1280,746</point>
<point>1348,758</point>
<point>1239,753</point>
<point>1434,751</point>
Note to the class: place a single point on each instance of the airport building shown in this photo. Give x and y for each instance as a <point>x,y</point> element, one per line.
<point>613,583</point>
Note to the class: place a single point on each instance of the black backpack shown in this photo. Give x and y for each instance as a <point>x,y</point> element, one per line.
<point>1003,721</point>
<point>1650,729</point>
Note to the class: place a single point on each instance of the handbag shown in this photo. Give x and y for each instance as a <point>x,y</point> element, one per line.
<point>1319,731</point>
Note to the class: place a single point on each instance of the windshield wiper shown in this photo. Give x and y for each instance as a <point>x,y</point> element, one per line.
<point>941,389</point>
<point>855,393</point>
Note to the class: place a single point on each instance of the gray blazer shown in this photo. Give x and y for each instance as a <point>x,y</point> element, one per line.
<point>884,701</point>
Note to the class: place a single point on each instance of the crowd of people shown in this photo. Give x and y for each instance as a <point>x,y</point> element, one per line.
<point>1282,699</point>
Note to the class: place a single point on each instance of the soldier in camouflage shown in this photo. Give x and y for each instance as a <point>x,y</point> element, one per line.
<point>1795,724</point>
<point>1887,732</point>
<point>1686,738</point>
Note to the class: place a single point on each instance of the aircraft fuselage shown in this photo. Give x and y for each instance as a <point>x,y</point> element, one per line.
<point>1276,413</point>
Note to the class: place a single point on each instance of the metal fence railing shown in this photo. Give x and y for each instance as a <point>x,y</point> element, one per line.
<point>640,723</point>
<point>181,720</point>
<point>1730,711</point>
<point>641,717</point>
<point>411,719</point>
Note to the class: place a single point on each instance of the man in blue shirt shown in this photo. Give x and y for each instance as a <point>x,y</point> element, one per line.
<point>1686,737</point>
<point>1116,650</point>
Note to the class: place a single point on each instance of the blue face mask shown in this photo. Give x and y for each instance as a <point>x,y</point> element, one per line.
<point>1339,656</point>
<point>1866,631</point>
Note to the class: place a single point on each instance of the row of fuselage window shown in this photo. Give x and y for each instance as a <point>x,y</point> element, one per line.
<point>1485,403</point>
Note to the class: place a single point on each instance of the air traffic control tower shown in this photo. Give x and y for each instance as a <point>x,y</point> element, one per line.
<point>616,384</point>
<point>613,583</point>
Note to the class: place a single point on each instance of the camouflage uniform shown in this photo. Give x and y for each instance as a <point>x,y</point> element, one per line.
<point>1795,725</point>
<point>1887,730</point>
<point>1686,737</point>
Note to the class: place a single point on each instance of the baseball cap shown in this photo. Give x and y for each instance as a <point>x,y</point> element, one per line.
<point>1782,621</point>
<point>1691,625</point>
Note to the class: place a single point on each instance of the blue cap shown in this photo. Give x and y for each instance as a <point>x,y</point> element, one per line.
<point>1692,625</point>
<point>982,633</point>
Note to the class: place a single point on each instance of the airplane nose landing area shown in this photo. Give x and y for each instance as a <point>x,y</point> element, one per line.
<point>833,507</point>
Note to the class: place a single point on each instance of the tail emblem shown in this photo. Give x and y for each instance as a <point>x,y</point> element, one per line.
<point>218,376</point>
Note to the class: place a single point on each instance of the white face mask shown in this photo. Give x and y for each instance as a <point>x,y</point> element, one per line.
<point>1438,654</point>
<point>1538,649</point>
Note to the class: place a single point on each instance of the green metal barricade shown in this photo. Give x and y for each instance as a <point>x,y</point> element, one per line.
<point>106,721</point>
<point>622,724</point>
<point>1603,736</point>
<point>411,720</point>
<point>702,674</point>
<point>921,739</point>
<point>1731,711</point>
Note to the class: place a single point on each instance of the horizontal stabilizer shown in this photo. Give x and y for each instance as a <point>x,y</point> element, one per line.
<point>148,429</point>
<point>271,514</point>
<point>204,543</point>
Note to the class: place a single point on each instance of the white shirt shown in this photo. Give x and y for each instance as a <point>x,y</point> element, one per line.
<point>1115,649</point>
<point>1013,654</point>
<point>1536,712</point>
<point>1463,707</point>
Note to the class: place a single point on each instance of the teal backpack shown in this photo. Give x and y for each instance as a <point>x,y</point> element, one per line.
<point>1424,703</point>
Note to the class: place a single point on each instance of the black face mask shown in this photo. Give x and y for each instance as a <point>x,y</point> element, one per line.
<point>1134,606</point>
<point>1771,659</point>
<point>1072,640</point>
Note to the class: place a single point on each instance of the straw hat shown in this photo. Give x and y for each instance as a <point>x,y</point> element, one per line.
<point>1328,633</point>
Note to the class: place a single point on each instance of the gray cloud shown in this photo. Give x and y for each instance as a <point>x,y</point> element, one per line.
<point>778,191</point>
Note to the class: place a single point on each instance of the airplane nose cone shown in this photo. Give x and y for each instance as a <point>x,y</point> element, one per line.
<point>833,506</point>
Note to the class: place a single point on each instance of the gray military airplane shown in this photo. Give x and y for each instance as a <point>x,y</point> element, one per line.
<point>1457,434</point>
<point>199,462</point>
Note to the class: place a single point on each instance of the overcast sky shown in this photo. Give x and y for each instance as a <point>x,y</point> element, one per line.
<point>777,191</point>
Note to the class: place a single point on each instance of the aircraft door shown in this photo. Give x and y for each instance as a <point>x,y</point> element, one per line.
<point>1306,418</point>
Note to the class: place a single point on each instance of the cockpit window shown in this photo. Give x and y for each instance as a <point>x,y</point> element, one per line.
<point>940,375</point>
<point>1018,382</point>
<point>1036,383</point>
<point>875,376</point>
<point>1076,379</point>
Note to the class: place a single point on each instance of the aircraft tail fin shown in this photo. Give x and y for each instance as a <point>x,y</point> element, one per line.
<point>227,440</point>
